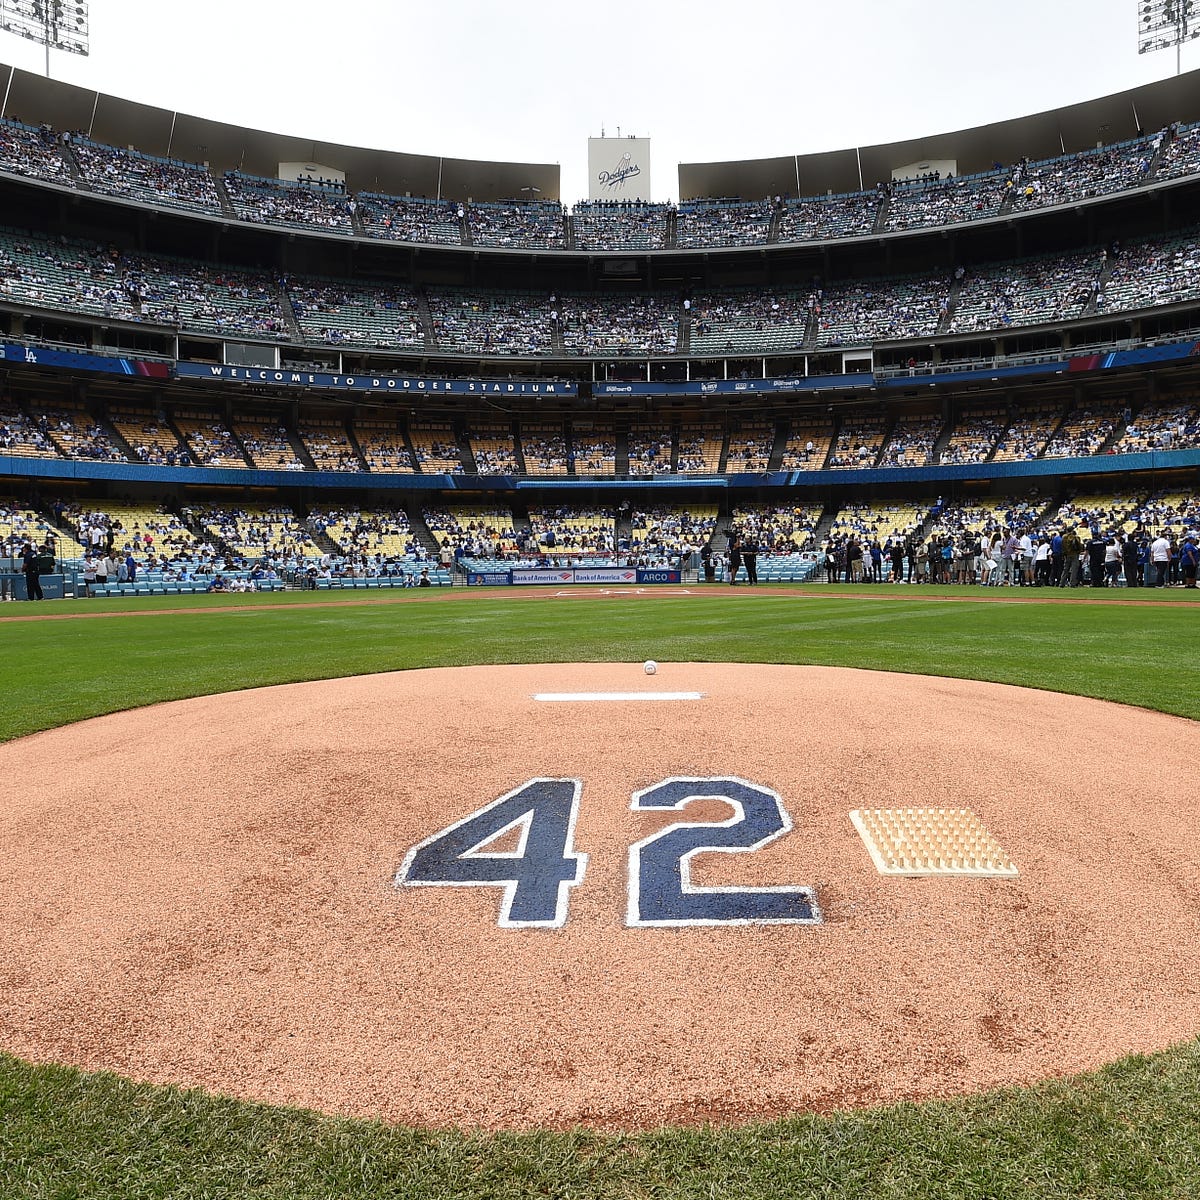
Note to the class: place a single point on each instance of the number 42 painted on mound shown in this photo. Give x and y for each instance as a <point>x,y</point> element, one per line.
<point>536,877</point>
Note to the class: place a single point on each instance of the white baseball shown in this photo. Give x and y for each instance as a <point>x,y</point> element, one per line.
<point>651,667</point>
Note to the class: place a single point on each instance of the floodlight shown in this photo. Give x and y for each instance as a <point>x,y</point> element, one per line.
<point>55,24</point>
<point>1166,23</point>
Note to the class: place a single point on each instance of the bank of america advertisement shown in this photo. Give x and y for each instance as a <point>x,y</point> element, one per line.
<point>619,168</point>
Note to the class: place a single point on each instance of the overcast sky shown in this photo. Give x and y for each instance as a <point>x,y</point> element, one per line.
<point>531,81</point>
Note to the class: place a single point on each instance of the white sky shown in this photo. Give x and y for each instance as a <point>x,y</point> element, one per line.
<point>531,81</point>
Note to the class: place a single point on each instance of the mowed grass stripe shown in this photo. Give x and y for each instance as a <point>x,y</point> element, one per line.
<point>1131,1130</point>
<point>62,671</point>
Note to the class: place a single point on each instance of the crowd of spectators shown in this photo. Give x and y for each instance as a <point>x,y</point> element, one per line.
<point>849,314</point>
<point>668,534</point>
<point>750,447</point>
<point>734,322</point>
<point>276,202</point>
<point>150,438</point>
<point>700,449</point>
<point>266,533</point>
<point>620,225</point>
<point>1182,153</point>
<point>410,219</point>
<point>911,442</point>
<point>516,224</point>
<point>974,437</point>
<point>1084,430</point>
<point>435,448</point>
<point>544,448</point>
<point>1031,292</point>
<point>1080,176</point>
<point>819,218</point>
<point>23,435</point>
<point>619,325</point>
<point>943,201</point>
<point>164,181</point>
<point>104,281</point>
<point>383,446</point>
<point>650,449</point>
<point>484,532</point>
<point>77,434</point>
<point>268,444</point>
<point>211,442</point>
<point>345,314</point>
<point>702,223</point>
<point>1152,273</point>
<point>1028,433</point>
<point>20,524</point>
<point>565,530</point>
<point>500,323</point>
<point>494,449</point>
<point>778,529</point>
<point>327,445</point>
<point>330,205</point>
<point>859,441</point>
<point>593,448</point>
<point>367,540</point>
<point>36,153</point>
<point>1161,425</point>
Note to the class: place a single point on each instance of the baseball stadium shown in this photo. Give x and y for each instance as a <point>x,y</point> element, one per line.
<point>512,695</point>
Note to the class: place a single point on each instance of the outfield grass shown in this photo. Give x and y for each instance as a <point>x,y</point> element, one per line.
<point>1131,1130</point>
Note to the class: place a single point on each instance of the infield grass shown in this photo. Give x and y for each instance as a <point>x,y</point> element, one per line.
<point>1130,1130</point>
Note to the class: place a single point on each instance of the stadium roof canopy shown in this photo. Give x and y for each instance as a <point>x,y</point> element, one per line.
<point>159,131</point>
<point>1044,135</point>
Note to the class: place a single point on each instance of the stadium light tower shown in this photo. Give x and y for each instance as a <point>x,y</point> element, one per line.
<point>57,24</point>
<point>1164,23</point>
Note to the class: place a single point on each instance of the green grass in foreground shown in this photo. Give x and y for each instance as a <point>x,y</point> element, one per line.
<point>1131,1130</point>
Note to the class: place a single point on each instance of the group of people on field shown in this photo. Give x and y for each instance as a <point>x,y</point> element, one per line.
<point>1019,558</point>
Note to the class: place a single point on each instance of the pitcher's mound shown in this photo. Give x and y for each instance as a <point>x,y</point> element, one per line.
<point>205,893</point>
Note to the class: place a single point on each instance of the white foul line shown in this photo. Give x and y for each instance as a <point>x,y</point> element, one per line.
<point>566,697</point>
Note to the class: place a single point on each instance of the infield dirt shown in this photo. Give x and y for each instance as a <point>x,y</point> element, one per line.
<point>203,893</point>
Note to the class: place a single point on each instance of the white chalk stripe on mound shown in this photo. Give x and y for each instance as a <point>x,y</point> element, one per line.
<point>587,697</point>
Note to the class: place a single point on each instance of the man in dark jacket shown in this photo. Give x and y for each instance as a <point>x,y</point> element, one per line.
<point>1097,548</point>
<point>1129,560</point>
<point>29,561</point>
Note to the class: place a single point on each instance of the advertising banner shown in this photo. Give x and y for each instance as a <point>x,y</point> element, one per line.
<point>605,575</point>
<point>42,356</point>
<point>406,384</point>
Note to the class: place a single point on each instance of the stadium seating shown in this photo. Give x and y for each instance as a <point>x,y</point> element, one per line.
<point>211,443</point>
<point>383,445</point>
<point>807,446</point>
<point>485,532</point>
<point>911,441</point>
<point>724,223</point>
<point>493,448</point>
<point>700,449</point>
<point>517,225</point>
<point>348,314</point>
<point>750,447</point>
<point>544,448</point>
<point>144,178</point>
<point>650,449</point>
<point>859,441</point>
<point>327,444</point>
<point>149,436</point>
<point>608,225</point>
<point>593,447</point>
<point>436,448</point>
